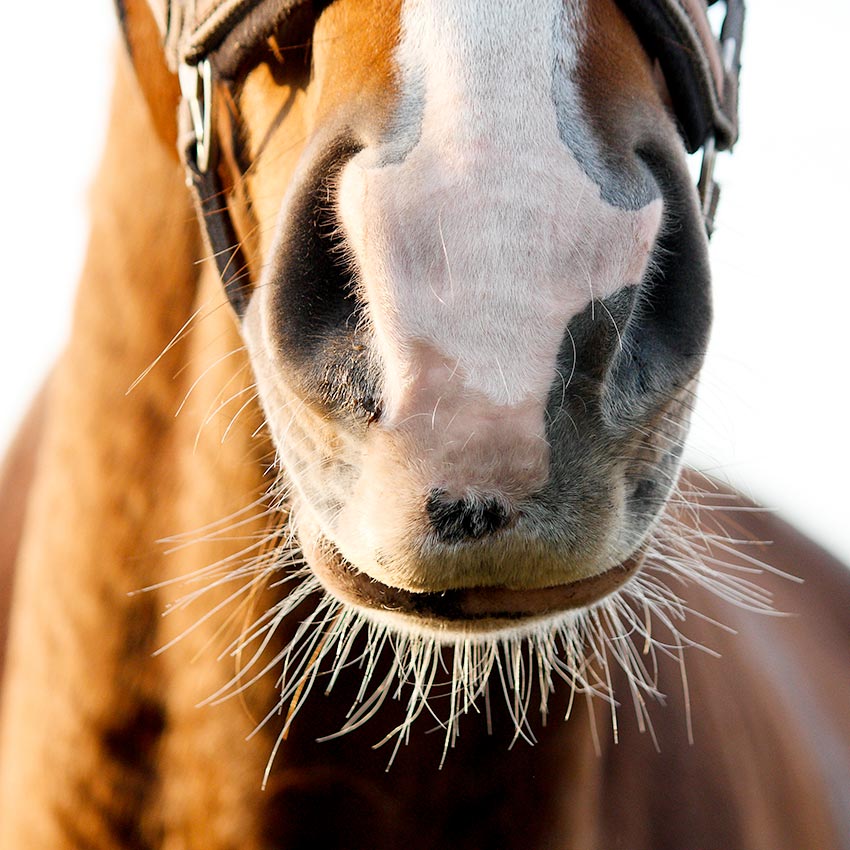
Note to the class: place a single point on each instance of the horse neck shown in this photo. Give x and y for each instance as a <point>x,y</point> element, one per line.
<point>83,693</point>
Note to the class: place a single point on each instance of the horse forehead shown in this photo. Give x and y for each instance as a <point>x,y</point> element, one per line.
<point>491,204</point>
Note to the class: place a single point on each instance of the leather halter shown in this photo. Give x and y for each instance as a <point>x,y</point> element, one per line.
<point>206,40</point>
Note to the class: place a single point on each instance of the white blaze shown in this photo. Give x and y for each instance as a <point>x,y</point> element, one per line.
<point>481,235</point>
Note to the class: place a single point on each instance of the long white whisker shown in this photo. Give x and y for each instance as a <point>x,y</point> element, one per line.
<point>619,641</point>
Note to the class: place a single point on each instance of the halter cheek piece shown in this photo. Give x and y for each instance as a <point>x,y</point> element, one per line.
<point>210,40</point>
<point>200,153</point>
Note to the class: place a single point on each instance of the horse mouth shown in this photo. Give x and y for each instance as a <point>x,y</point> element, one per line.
<point>465,608</point>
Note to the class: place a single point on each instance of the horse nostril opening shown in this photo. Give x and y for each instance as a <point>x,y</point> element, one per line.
<point>470,518</point>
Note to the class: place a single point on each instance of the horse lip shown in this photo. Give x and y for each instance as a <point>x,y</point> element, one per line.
<point>505,603</point>
<point>467,604</point>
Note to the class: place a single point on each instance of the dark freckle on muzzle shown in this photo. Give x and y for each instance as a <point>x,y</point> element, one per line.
<point>470,518</point>
<point>644,489</point>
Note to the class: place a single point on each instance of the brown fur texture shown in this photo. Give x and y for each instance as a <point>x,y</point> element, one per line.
<point>16,475</point>
<point>103,745</point>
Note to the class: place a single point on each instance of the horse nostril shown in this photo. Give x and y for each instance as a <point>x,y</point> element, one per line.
<point>470,518</point>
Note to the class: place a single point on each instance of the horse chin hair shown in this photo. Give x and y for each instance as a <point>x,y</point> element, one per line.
<point>449,675</point>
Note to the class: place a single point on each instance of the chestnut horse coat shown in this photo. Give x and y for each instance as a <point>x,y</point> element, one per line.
<point>103,743</point>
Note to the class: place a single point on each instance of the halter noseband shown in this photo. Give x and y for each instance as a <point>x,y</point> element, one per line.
<point>207,39</point>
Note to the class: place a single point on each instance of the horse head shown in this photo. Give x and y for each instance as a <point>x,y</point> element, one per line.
<point>469,265</point>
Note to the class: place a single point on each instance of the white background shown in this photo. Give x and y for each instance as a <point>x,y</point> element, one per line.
<point>772,417</point>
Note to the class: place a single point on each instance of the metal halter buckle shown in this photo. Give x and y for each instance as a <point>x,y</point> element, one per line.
<point>196,86</point>
<point>200,156</point>
<point>707,186</point>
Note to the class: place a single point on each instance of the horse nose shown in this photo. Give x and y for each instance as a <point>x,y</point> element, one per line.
<point>456,520</point>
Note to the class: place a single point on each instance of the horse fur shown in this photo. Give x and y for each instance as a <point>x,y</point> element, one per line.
<point>103,743</point>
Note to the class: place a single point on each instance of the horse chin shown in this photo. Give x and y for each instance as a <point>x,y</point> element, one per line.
<point>462,611</point>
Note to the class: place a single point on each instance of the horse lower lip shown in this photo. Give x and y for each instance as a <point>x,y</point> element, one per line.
<point>469,604</point>
<point>497,602</point>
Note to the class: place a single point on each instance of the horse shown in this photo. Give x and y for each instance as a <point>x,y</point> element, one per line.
<point>353,514</point>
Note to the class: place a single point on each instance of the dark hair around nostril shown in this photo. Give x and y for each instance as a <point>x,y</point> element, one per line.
<point>469,518</point>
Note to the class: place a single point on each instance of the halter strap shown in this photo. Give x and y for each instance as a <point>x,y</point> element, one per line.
<point>205,39</point>
<point>701,69</point>
<point>200,155</point>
